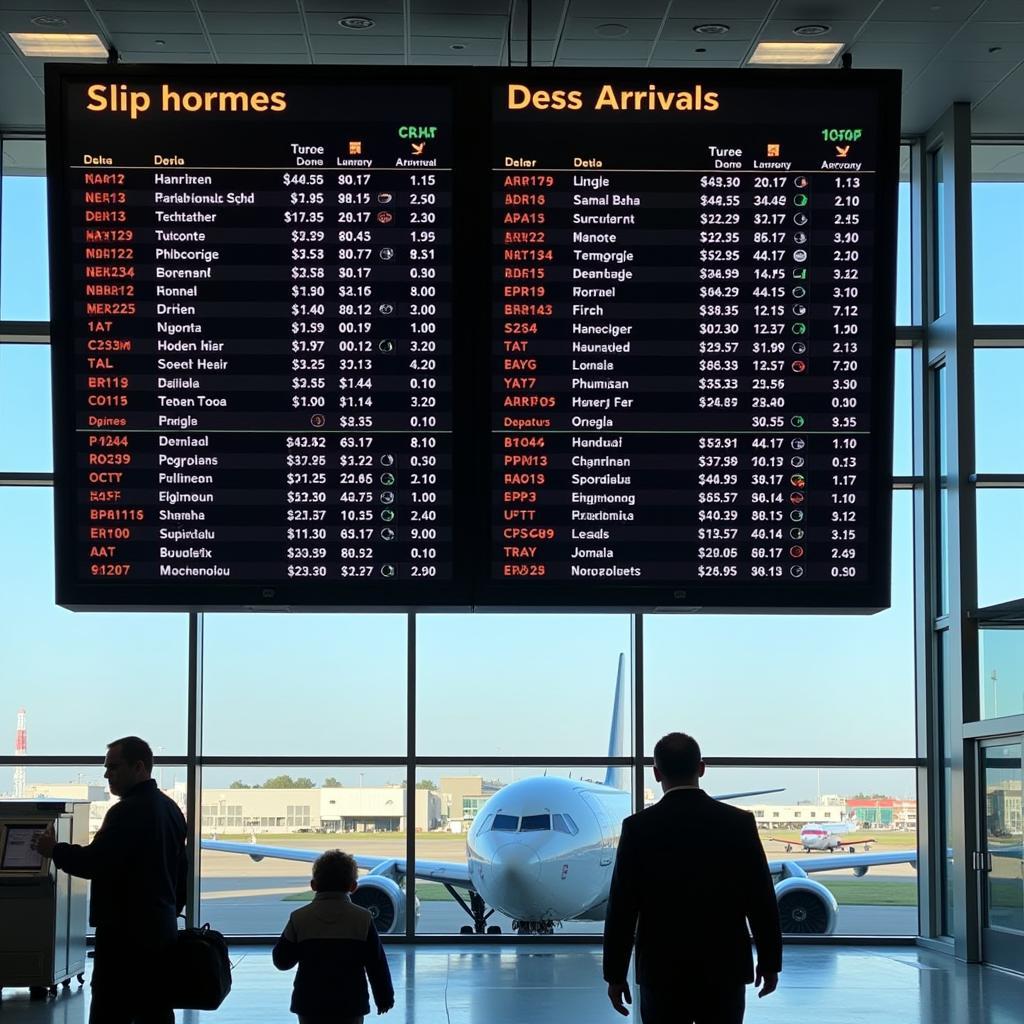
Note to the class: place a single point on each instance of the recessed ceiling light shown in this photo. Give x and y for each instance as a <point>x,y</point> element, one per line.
<point>59,44</point>
<point>711,30</point>
<point>457,46</point>
<point>611,30</point>
<point>159,42</point>
<point>357,22</point>
<point>796,53</point>
<point>811,30</point>
<point>49,20</point>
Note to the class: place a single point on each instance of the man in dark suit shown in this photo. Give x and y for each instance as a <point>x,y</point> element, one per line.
<point>690,873</point>
<point>137,864</point>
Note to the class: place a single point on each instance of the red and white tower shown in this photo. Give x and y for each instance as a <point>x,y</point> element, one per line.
<point>20,750</point>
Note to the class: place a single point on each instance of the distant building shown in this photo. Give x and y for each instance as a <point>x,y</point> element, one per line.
<point>791,816</point>
<point>883,812</point>
<point>332,809</point>
<point>462,796</point>
<point>99,798</point>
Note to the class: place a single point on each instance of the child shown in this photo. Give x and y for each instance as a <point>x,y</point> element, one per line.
<point>336,946</point>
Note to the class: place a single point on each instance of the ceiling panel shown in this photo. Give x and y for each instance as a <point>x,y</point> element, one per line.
<point>21,100</point>
<point>362,44</point>
<point>1000,10</point>
<point>479,26</point>
<point>718,50</point>
<point>616,10</point>
<point>182,42</point>
<point>824,11</point>
<point>485,50</point>
<point>171,21</point>
<point>33,7</point>
<point>587,28</point>
<point>162,57</point>
<point>682,28</point>
<point>253,24</point>
<point>367,59</point>
<point>614,51</point>
<point>838,31</point>
<point>995,32</point>
<point>908,32</point>
<point>927,10</point>
<point>141,6</point>
<point>327,24</point>
<point>225,45</point>
<point>340,9</point>
<point>248,6</point>
<point>13,21</point>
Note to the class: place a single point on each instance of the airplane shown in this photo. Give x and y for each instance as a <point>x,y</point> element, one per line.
<point>827,835</point>
<point>541,851</point>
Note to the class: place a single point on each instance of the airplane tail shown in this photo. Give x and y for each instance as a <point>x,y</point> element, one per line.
<point>617,776</point>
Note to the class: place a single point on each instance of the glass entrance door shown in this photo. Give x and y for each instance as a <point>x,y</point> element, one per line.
<point>1001,859</point>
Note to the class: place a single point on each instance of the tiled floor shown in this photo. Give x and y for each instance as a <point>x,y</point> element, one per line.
<point>453,985</point>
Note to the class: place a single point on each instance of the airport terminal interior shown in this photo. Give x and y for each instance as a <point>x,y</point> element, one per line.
<point>863,699</point>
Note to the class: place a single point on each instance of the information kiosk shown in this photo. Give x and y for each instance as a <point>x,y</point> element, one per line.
<point>42,910</point>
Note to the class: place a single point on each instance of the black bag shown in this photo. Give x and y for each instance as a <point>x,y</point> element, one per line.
<point>200,970</point>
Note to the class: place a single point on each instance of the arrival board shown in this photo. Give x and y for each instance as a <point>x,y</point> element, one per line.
<point>692,337</point>
<point>255,299</point>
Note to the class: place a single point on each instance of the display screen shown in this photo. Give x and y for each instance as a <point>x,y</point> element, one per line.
<point>691,336</point>
<point>18,854</point>
<point>444,338</point>
<point>256,334</point>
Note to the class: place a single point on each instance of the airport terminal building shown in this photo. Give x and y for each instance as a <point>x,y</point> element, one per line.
<point>466,434</point>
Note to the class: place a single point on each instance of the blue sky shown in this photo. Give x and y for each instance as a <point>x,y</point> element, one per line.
<point>488,685</point>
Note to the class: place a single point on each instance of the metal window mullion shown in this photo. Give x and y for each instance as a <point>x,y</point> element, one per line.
<point>193,768</point>
<point>410,777</point>
<point>638,712</point>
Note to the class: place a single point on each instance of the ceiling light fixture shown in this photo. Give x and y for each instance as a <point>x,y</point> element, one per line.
<point>711,30</point>
<point>356,22</point>
<point>49,20</point>
<point>798,54</point>
<point>457,46</point>
<point>59,44</point>
<point>811,30</point>
<point>611,30</point>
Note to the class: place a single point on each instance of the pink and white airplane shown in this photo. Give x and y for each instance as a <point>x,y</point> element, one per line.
<point>828,835</point>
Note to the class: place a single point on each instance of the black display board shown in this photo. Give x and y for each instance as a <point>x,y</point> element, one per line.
<point>434,338</point>
<point>254,337</point>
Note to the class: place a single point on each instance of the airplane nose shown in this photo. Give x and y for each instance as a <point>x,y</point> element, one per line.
<point>514,877</point>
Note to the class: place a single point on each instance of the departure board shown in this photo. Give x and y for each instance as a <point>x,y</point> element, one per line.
<point>692,337</point>
<point>442,338</point>
<point>253,336</point>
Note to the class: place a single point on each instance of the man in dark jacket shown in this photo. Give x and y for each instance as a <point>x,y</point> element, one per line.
<point>137,864</point>
<point>690,873</point>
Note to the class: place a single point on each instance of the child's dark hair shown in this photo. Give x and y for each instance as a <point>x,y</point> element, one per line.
<point>335,871</point>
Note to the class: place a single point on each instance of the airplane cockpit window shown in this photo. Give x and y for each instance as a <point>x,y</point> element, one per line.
<point>505,823</point>
<point>570,826</point>
<point>485,823</point>
<point>536,823</point>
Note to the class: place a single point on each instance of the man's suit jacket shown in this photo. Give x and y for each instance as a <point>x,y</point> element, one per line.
<point>137,864</point>
<point>689,874</point>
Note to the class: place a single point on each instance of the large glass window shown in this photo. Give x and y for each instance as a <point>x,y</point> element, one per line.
<point>904,250</point>
<point>304,684</point>
<point>557,827</point>
<point>300,812</point>
<point>83,679</point>
<point>807,685</point>
<point>997,215</point>
<point>815,818</point>
<point>998,410</point>
<point>520,685</point>
<point>25,426</point>
<point>1001,672</point>
<point>1000,545</point>
<point>24,272</point>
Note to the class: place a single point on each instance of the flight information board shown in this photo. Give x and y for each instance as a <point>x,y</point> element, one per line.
<point>692,338</point>
<point>254,336</point>
<point>446,338</point>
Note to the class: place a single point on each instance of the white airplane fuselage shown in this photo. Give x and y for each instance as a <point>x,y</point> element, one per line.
<point>539,874</point>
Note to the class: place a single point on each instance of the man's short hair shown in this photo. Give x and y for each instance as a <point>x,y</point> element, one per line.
<point>335,871</point>
<point>677,756</point>
<point>134,749</point>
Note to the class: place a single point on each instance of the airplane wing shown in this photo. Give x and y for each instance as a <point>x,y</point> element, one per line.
<point>752,792</point>
<point>452,873</point>
<point>860,862</point>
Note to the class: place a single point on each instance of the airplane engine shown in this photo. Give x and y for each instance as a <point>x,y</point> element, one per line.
<point>806,907</point>
<point>385,900</point>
